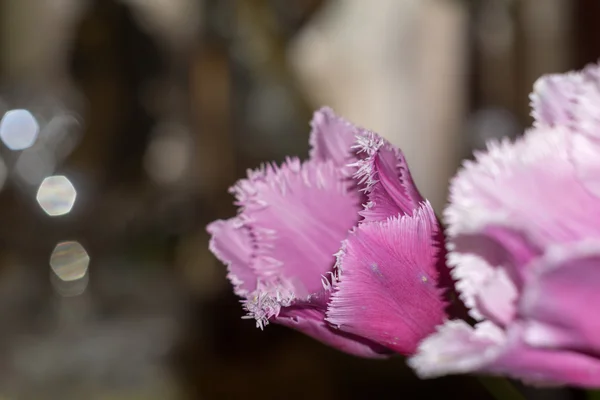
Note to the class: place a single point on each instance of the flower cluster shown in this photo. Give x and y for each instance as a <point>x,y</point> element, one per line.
<point>343,248</point>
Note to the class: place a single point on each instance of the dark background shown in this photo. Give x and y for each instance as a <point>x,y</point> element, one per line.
<point>170,101</point>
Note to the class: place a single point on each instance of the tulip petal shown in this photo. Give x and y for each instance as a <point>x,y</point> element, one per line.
<point>510,186</point>
<point>584,155</point>
<point>571,100</point>
<point>469,271</point>
<point>384,175</point>
<point>331,138</point>
<point>489,267</point>
<point>500,246</point>
<point>387,290</point>
<point>496,298</point>
<point>553,367</point>
<point>298,215</point>
<point>554,97</point>
<point>231,243</point>
<point>311,322</point>
<point>271,304</point>
<point>563,296</point>
<point>458,348</point>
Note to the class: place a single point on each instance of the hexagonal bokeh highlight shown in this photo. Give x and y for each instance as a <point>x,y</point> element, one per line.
<point>56,195</point>
<point>69,262</point>
<point>19,129</point>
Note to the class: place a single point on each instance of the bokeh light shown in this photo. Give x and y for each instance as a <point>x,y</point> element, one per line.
<point>168,155</point>
<point>69,262</point>
<point>56,195</point>
<point>19,129</point>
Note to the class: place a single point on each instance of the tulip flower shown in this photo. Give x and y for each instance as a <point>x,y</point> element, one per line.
<point>341,247</point>
<point>524,245</point>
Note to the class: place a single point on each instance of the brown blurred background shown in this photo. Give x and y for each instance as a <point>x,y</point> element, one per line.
<point>153,108</point>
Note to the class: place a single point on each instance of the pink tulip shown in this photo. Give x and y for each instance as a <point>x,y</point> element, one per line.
<point>524,244</point>
<point>355,199</point>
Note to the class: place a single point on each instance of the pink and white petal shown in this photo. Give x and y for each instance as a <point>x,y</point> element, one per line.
<point>383,173</point>
<point>458,348</point>
<point>553,97</point>
<point>543,335</point>
<point>584,155</point>
<point>510,185</point>
<point>562,298</point>
<point>497,298</point>
<point>591,73</point>
<point>331,138</point>
<point>231,243</point>
<point>387,290</point>
<point>571,99</point>
<point>499,246</point>
<point>298,214</point>
<point>469,271</point>
<point>311,322</point>
<point>489,267</point>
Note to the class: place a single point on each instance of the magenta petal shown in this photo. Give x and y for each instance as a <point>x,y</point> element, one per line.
<point>387,290</point>
<point>311,322</point>
<point>298,214</point>
<point>387,181</point>
<point>563,296</point>
<point>458,348</point>
<point>232,245</point>
<point>547,366</point>
<point>331,137</point>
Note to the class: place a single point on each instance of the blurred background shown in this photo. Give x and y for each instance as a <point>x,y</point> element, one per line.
<point>125,121</point>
